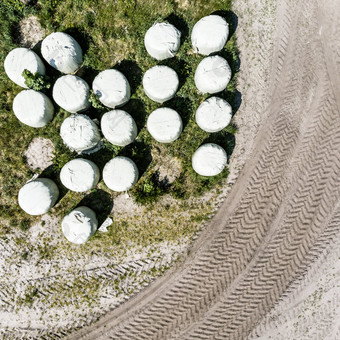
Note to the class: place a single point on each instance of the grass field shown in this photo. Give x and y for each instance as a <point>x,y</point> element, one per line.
<point>111,35</point>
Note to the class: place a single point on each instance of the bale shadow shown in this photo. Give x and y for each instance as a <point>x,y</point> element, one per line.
<point>230,17</point>
<point>163,183</point>
<point>96,113</point>
<point>87,73</point>
<point>183,106</point>
<point>181,67</point>
<point>37,49</point>
<point>140,152</point>
<point>82,38</point>
<point>237,101</point>
<point>180,24</point>
<point>132,72</point>
<point>52,173</point>
<point>224,139</point>
<point>136,108</point>
<point>233,98</point>
<point>32,3</point>
<point>100,201</point>
<point>101,157</point>
<point>15,34</point>
<point>233,59</point>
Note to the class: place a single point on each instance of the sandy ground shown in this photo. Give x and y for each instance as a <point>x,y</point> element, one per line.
<point>30,31</point>
<point>267,262</point>
<point>44,296</point>
<point>39,153</point>
<point>267,266</point>
<point>310,309</point>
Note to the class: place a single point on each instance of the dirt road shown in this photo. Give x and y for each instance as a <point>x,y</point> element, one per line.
<point>278,217</point>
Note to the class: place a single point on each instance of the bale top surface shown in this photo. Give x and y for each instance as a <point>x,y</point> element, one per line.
<point>160,83</point>
<point>79,175</point>
<point>164,125</point>
<point>209,34</point>
<point>162,40</point>
<point>20,59</point>
<point>37,197</point>
<point>214,114</point>
<point>120,173</point>
<point>79,225</point>
<point>209,160</point>
<point>71,93</point>
<point>33,108</point>
<point>112,88</point>
<point>212,74</point>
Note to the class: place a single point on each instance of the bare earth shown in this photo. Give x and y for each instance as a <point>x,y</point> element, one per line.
<point>39,153</point>
<point>30,31</point>
<point>282,214</point>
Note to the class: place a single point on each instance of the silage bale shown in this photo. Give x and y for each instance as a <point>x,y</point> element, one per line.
<point>79,225</point>
<point>79,175</point>
<point>120,174</point>
<point>71,93</point>
<point>212,74</point>
<point>165,125</point>
<point>209,34</point>
<point>37,197</point>
<point>20,59</point>
<point>160,83</point>
<point>62,52</point>
<point>209,159</point>
<point>79,133</point>
<point>162,40</point>
<point>214,114</point>
<point>112,88</point>
<point>33,108</point>
<point>118,127</point>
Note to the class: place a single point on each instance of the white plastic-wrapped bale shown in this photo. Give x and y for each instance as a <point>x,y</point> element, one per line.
<point>160,83</point>
<point>71,93</point>
<point>120,173</point>
<point>212,74</point>
<point>209,34</point>
<point>62,52</point>
<point>214,114</point>
<point>112,88</point>
<point>118,127</point>
<point>20,59</point>
<point>164,125</point>
<point>162,40</point>
<point>79,133</point>
<point>33,108</point>
<point>79,175</point>
<point>209,159</point>
<point>79,225</point>
<point>37,197</point>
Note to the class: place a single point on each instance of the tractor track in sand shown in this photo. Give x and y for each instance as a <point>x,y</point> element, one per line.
<point>277,218</point>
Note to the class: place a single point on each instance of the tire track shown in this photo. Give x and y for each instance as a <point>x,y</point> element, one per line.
<point>276,219</point>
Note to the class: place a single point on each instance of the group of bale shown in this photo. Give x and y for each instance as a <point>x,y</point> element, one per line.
<point>82,134</point>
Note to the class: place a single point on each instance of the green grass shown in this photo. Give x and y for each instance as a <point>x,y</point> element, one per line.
<point>111,35</point>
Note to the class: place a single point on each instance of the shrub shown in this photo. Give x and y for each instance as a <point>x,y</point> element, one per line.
<point>148,189</point>
<point>15,5</point>
<point>36,81</point>
<point>95,102</point>
<point>24,225</point>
